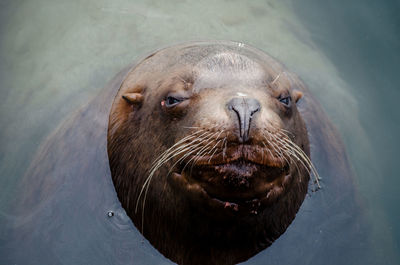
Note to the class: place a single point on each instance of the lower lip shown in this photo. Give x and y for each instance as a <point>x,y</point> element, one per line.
<point>248,200</point>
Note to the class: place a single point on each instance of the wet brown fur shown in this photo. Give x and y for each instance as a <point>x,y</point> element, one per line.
<point>181,225</point>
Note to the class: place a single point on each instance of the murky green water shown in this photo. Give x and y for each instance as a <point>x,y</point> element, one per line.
<point>56,55</point>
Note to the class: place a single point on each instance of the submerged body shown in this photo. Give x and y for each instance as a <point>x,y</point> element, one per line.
<point>208,146</point>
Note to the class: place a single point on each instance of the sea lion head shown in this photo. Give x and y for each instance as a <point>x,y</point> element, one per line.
<point>208,152</point>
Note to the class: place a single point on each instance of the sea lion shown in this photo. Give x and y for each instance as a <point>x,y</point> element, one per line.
<point>209,155</point>
<point>224,207</point>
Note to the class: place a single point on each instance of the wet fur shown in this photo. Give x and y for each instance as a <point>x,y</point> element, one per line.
<point>139,133</point>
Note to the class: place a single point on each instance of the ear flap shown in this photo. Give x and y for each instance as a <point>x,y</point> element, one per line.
<point>297,94</point>
<point>133,98</point>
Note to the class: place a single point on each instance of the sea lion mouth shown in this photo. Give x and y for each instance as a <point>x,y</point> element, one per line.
<point>240,177</point>
<point>250,202</point>
<point>237,181</point>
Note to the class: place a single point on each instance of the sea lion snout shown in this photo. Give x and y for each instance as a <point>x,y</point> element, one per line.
<point>245,109</point>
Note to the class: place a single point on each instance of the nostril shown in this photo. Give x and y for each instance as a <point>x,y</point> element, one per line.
<point>254,111</point>
<point>244,109</point>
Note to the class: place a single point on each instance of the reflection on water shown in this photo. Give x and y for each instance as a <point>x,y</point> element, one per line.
<point>56,55</point>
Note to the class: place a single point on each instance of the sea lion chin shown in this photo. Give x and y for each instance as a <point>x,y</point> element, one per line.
<point>208,153</point>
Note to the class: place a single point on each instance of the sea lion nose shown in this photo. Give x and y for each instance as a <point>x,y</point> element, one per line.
<point>244,108</point>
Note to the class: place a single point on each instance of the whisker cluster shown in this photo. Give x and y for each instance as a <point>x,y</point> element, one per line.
<point>197,144</point>
<point>207,142</point>
<point>285,149</point>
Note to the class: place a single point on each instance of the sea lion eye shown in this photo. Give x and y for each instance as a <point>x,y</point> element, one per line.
<point>285,100</point>
<point>172,101</point>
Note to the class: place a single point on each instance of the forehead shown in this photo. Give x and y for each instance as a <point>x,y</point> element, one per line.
<point>228,69</point>
<point>212,65</point>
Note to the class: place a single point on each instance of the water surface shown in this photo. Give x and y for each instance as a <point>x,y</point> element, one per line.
<point>56,55</point>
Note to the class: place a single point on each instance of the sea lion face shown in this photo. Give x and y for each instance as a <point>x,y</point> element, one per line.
<point>210,131</point>
<point>235,154</point>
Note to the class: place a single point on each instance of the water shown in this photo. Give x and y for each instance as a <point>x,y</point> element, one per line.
<point>362,39</point>
<point>56,55</point>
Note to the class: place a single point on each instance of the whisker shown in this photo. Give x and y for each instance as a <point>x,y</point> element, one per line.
<point>215,145</point>
<point>215,149</point>
<point>171,152</point>
<point>194,149</point>
<point>275,148</point>
<point>200,151</point>
<point>304,157</point>
<point>224,149</point>
<point>285,148</point>
<point>197,157</point>
<point>163,158</point>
